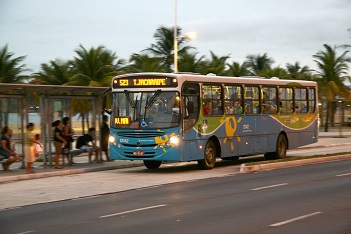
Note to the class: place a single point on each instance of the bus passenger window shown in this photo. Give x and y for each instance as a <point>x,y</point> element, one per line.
<point>286,101</point>
<point>252,100</point>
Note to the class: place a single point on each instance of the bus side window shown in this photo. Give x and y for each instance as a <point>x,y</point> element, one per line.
<point>300,100</point>
<point>252,100</point>
<point>286,101</point>
<point>212,102</point>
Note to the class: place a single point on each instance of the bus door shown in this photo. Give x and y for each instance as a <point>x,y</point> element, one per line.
<point>248,142</point>
<point>190,114</point>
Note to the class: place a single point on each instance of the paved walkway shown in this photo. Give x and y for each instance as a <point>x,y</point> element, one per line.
<point>332,138</point>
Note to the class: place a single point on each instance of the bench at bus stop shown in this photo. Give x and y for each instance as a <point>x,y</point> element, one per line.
<point>73,153</point>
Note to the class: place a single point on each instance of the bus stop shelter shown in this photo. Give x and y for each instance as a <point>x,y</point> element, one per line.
<point>42,104</point>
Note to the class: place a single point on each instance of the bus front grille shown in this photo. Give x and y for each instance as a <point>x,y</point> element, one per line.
<point>140,134</point>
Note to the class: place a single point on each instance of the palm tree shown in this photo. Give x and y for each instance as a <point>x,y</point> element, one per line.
<point>258,63</point>
<point>216,65</point>
<point>331,75</point>
<point>95,67</point>
<point>55,73</point>
<point>144,63</point>
<point>296,72</point>
<point>274,72</point>
<point>11,69</point>
<point>164,46</point>
<point>189,63</point>
<point>237,69</point>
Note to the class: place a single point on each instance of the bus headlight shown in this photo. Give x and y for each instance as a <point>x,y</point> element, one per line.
<point>174,140</point>
<point>112,139</point>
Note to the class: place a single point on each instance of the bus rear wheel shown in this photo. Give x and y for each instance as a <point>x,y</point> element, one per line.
<point>152,164</point>
<point>209,156</point>
<point>281,148</point>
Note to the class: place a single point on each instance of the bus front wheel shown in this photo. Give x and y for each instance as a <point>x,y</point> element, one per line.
<point>209,156</point>
<point>152,164</point>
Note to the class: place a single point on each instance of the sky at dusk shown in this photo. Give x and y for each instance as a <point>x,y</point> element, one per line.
<point>287,30</point>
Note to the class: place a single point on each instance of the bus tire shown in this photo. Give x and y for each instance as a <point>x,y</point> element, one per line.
<point>152,164</point>
<point>281,148</point>
<point>210,155</point>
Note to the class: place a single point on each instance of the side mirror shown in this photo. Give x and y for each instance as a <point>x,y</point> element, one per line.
<point>104,101</point>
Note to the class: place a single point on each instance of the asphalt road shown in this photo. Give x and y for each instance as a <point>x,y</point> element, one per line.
<point>306,199</point>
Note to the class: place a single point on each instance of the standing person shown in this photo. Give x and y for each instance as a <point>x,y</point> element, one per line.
<point>6,150</point>
<point>104,135</point>
<point>58,142</point>
<point>83,143</point>
<point>68,135</point>
<point>29,141</point>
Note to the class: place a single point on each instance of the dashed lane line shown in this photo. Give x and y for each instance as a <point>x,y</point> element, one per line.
<point>270,186</point>
<point>295,219</point>
<point>131,211</point>
<point>346,174</point>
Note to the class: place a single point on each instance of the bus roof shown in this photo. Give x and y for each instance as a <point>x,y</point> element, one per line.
<point>212,78</point>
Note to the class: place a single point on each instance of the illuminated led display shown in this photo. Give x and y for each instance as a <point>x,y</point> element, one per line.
<point>122,120</point>
<point>145,82</point>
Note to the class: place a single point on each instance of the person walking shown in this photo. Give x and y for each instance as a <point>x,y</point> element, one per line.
<point>29,141</point>
<point>6,150</point>
<point>58,142</point>
<point>104,135</point>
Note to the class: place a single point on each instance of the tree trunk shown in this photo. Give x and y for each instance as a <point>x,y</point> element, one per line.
<point>326,118</point>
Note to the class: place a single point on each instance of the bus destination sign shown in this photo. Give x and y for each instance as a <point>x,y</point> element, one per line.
<point>145,82</point>
<point>122,120</point>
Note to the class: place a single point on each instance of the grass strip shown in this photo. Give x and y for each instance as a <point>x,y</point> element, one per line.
<point>294,159</point>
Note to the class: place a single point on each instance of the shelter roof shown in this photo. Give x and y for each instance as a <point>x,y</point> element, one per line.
<point>22,89</point>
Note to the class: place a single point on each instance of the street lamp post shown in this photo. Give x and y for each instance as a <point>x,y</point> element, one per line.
<point>189,35</point>
<point>175,39</point>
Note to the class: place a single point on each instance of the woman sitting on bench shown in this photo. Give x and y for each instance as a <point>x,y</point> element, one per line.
<point>6,150</point>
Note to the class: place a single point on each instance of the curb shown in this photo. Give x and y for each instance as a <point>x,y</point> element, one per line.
<point>277,165</point>
<point>65,172</point>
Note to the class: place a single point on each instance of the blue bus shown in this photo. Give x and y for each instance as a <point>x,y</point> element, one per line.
<point>158,117</point>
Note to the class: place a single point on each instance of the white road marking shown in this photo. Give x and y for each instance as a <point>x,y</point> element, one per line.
<point>25,232</point>
<point>295,219</point>
<point>270,186</point>
<point>347,174</point>
<point>82,198</point>
<point>131,211</point>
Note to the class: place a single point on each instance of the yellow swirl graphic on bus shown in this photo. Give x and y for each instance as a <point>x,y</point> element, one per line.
<point>162,141</point>
<point>231,124</point>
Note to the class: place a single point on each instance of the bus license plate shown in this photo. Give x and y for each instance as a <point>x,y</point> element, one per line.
<point>138,153</point>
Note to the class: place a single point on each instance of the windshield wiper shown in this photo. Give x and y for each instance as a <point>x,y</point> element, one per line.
<point>131,102</point>
<point>152,100</point>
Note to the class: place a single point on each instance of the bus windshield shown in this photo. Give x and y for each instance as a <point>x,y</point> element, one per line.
<point>141,110</point>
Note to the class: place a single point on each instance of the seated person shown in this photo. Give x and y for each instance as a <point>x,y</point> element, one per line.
<point>83,143</point>
<point>237,108</point>
<point>6,150</point>
<point>207,108</point>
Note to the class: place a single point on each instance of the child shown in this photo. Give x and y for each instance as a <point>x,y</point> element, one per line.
<point>29,141</point>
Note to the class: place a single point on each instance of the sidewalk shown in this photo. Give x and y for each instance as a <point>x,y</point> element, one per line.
<point>326,139</point>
